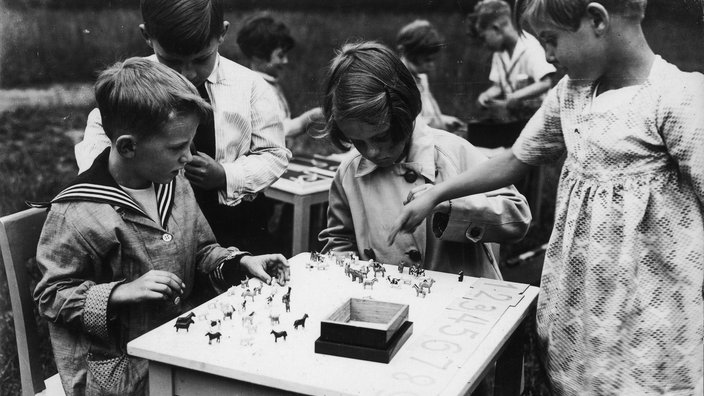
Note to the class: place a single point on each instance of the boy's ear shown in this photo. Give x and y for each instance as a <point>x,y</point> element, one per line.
<point>598,17</point>
<point>126,146</point>
<point>225,28</point>
<point>145,35</point>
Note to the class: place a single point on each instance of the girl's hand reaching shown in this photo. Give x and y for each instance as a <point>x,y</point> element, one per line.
<point>154,285</point>
<point>417,207</point>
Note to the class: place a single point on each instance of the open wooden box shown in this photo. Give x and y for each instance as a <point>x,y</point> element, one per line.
<point>365,329</point>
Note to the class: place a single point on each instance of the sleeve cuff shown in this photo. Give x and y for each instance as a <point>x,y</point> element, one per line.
<point>95,310</point>
<point>228,272</point>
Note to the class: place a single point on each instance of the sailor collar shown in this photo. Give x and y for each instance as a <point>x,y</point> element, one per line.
<point>97,185</point>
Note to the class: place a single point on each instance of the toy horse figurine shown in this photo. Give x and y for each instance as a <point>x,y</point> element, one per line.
<point>248,319</point>
<point>249,293</point>
<point>369,282</point>
<point>427,284</point>
<point>184,322</point>
<point>213,336</point>
<point>300,322</point>
<point>278,334</point>
<point>419,291</point>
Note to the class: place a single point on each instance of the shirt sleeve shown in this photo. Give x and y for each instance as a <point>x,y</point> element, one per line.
<point>681,123</point>
<point>495,72</point>
<point>502,215</point>
<point>541,141</point>
<point>94,142</point>
<point>339,235</point>
<point>68,293</point>
<point>267,158</point>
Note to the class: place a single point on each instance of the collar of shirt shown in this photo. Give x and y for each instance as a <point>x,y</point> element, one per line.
<point>420,158</point>
<point>97,185</point>
<point>270,79</point>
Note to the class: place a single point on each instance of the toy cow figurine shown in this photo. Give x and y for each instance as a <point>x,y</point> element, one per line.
<point>184,322</point>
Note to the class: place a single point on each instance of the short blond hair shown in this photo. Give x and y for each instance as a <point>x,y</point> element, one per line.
<point>567,14</point>
<point>138,96</point>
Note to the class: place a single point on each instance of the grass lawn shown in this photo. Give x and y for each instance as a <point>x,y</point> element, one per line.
<point>36,159</point>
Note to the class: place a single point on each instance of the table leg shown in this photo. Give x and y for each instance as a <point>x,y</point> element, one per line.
<point>160,379</point>
<point>301,225</point>
<point>508,379</point>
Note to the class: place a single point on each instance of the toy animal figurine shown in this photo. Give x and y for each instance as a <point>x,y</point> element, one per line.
<point>358,275</point>
<point>245,282</point>
<point>257,290</point>
<point>287,296</point>
<point>427,284</point>
<point>279,334</point>
<point>460,278</point>
<point>274,318</point>
<point>248,319</point>
<point>419,291</point>
<point>213,336</point>
<point>300,322</point>
<point>244,304</point>
<point>214,325</point>
<point>184,322</point>
<point>369,282</point>
<point>248,293</point>
<point>416,270</point>
<point>227,310</point>
<point>269,300</point>
<point>378,267</point>
<point>401,264</point>
<point>287,304</point>
<point>394,281</point>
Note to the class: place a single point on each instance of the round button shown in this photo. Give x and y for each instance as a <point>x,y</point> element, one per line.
<point>410,176</point>
<point>167,237</point>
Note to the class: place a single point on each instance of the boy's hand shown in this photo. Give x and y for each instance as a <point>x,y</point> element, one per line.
<point>154,285</point>
<point>454,124</point>
<point>205,172</point>
<point>265,264</point>
<point>411,216</point>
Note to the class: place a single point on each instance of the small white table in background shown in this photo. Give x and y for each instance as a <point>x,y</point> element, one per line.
<point>459,330</point>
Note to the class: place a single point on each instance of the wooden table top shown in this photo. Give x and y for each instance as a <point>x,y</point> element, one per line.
<point>457,328</point>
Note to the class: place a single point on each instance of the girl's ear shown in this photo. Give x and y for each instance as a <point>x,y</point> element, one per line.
<point>126,146</point>
<point>145,35</point>
<point>598,17</point>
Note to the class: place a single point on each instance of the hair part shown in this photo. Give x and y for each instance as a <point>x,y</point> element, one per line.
<point>367,82</point>
<point>568,14</point>
<point>183,27</point>
<point>419,39</point>
<point>139,96</point>
<point>261,34</point>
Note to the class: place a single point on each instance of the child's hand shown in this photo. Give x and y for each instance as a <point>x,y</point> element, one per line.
<point>416,192</point>
<point>412,215</point>
<point>454,124</point>
<point>205,172</point>
<point>265,264</point>
<point>154,285</point>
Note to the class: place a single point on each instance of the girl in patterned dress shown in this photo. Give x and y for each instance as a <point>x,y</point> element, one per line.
<point>620,309</point>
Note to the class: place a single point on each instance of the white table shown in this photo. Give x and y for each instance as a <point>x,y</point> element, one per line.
<point>454,340</point>
<point>302,196</point>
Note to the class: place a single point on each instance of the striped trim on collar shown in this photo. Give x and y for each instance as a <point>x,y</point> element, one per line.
<point>116,196</point>
<point>97,185</point>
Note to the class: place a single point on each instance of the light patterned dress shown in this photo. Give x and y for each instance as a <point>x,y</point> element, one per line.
<point>620,309</point>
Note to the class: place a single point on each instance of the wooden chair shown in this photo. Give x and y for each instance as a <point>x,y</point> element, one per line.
<point>19,235</point>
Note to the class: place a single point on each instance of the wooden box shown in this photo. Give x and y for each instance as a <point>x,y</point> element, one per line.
<point>364,323</point>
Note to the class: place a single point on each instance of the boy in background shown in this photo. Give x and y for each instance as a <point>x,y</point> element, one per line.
<point>520,75</point>
<point>418,45</point>
<point>240,150</point>
<point>266,42</point>
<point>121,245</point>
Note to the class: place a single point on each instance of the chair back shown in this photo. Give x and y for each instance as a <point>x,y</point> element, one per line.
<point>19,235</point>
